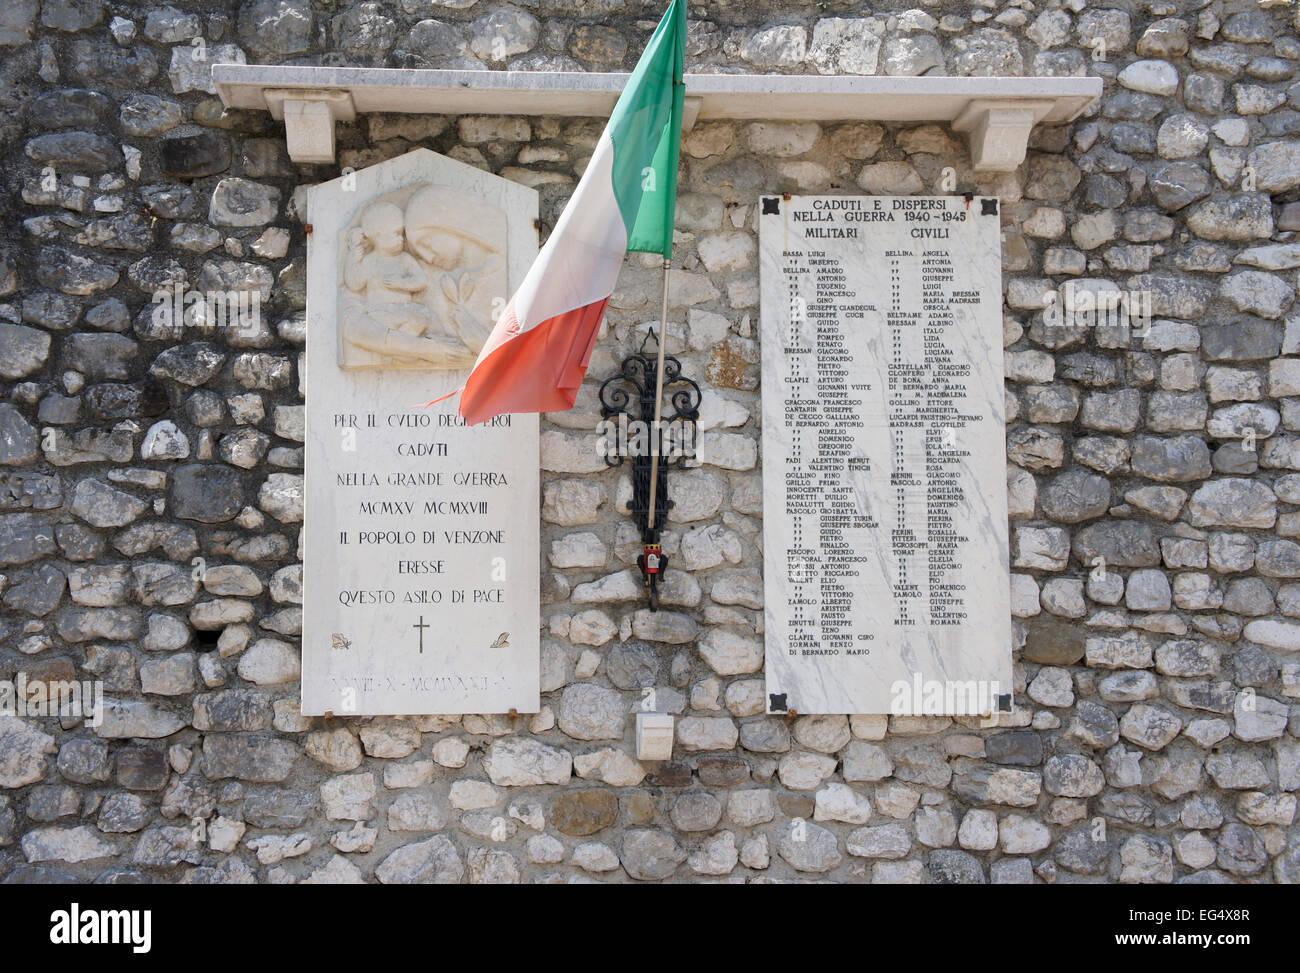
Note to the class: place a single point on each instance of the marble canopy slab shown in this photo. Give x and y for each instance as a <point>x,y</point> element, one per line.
<point>996,114</point>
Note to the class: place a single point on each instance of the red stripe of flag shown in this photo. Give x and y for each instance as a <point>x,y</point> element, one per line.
<point>540,370</point>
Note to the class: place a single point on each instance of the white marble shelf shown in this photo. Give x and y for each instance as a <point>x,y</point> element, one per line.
<point>996,114</point>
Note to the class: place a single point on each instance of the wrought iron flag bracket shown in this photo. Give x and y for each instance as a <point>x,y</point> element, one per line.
<point>628,404</point>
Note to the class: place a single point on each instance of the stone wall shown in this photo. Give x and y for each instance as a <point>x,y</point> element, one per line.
<point>1155,724</point>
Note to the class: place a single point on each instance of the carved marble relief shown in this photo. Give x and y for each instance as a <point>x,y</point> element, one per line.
<point>422,272</point>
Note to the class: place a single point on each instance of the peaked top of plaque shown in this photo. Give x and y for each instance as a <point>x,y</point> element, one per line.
<point>419,165</point>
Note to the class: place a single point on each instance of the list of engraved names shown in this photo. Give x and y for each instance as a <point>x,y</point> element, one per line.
<point>884,483</point>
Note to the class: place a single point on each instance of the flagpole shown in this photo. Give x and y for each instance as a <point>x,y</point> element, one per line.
<point>659,395</point>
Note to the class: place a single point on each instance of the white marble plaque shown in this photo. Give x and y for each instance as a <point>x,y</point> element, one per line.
<point>420,546</point>
<point>884,472</point>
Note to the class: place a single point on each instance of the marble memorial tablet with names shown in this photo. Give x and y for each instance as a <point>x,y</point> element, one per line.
<point>420,535</point>
<point>884,472</point>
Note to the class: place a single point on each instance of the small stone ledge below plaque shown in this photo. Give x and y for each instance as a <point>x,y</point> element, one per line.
<point>654,736</point>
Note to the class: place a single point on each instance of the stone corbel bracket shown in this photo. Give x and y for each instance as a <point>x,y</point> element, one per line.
<point>998,131</point>
<point>690,111</point>
<point>309,117</point>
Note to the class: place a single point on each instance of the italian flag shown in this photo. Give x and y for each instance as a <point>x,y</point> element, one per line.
<point>537,354</point>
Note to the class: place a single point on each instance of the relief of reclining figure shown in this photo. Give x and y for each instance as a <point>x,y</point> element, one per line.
<point>419,283</point>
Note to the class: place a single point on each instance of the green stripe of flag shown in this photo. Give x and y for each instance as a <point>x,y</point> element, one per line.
<point>646,129</point>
